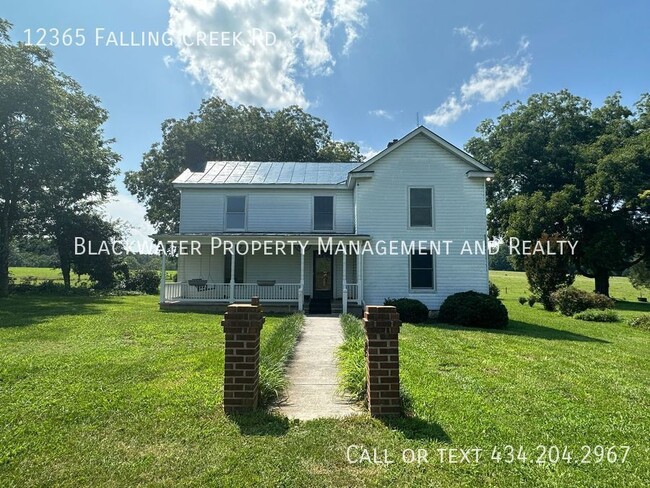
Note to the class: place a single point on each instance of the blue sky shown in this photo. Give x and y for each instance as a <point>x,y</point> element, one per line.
<point>368,67</point>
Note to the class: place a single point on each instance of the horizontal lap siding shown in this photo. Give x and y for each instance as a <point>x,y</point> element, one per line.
<point>459,214</point>
<point>268,210</point>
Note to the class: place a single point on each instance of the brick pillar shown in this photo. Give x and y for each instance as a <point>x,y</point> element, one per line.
<point>242,324</point>
<point>382,326</point>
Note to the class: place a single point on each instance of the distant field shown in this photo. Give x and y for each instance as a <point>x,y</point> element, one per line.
<point>54,274</point>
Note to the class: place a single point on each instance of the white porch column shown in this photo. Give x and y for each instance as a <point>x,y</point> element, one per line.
<point>345,283</point>
<point>232,277</point>
<point>163,277</point>
<point>301,289</point>
<point>360,278</point>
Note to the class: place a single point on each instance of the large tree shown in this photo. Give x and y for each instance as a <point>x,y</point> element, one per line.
<point>225,132</point>
<point>564,167</point>
<point>53,156</point>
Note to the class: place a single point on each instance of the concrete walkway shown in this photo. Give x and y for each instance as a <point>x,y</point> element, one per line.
<point>313,382</point>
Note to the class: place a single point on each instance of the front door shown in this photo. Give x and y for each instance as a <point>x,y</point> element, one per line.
<point>323,280</point>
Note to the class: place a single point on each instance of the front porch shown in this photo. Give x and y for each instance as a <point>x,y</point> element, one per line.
<point>300,278</point>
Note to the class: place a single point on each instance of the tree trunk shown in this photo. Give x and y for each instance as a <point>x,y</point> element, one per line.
<point>601,277</point>
<point>64,258</point>
<point>4,264</point>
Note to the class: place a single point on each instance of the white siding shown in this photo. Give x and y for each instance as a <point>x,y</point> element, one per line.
<point>268,210</point>
<point>459,214</point>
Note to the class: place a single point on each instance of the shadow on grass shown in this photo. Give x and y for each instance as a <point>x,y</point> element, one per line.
<point>413,427</point>
<point>31,309</point>
<point>260,423</point>
<point>519,328</point>
<point>632,306</point>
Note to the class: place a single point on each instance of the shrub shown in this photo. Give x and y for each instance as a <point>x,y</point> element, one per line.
<point>532,300</point>
<point>143,281</point>
<point>493,290</point>
<point>641,322</point>
<point>410,310</point>
<point>473,309</point>
<point>570,300</point>
<point>547,273</point>
<point>351,357</point>
<point>522,300</point>
<point>596,315</point>
<point>275,352</point>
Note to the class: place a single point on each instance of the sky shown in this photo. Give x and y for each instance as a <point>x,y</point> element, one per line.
<point>372,69</point>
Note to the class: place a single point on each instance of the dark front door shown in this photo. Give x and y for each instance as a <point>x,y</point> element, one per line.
<point>323,280</point>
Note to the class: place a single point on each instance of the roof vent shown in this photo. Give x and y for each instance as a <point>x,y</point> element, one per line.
<point>392,142</point>
<point>195,158</point>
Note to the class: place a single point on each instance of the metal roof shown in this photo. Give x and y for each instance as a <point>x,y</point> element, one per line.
<point>268,173</point>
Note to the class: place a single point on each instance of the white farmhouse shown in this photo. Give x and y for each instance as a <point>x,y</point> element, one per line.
<point>329,237</point>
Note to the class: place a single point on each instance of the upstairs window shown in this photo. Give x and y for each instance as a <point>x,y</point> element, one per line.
<point>421,207</point>
<point>236,213</point>
<point>422,271</point>
<point>323,213</point>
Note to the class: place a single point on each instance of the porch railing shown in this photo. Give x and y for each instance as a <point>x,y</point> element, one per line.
<point>353,292</point>
<point>220,292</point>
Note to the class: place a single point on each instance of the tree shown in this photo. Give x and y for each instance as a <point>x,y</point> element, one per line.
<point>564,167</point>
<point>548,273</point>
<point>639,275</point>
<point>53,157</point>
<point>224,132</point>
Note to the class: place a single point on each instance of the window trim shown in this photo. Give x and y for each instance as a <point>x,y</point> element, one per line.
<point>433,214</point>
<point>313,213</point>
<point>434,276</point>
<point>225,218</point>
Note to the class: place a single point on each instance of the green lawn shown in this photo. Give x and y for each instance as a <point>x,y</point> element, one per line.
<point>44,274</point>
<point>110,391</point>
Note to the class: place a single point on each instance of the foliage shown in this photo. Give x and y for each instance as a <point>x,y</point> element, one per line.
<point>547,272</point>
<point>564,167</point>
<point>493,289</point>
<point>501,260</point>
<point>532,300</point>
<point>641,322</point>
<point>225,132</point>
<point>143,281</point>
<point>522,300</point>
<point>410,310</point>
<point>33,252</point>
<point>639,275</point>
<point>352,359</point>
<point>570,300</point>
<point>54,159</point>
<point>275,352</point>
<point>596,315</point>
<point>473,309</point>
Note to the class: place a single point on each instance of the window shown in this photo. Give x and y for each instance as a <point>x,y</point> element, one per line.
<point>239,268</point>
<point>421,207</point>
<point>235,213</point>
<point>422,271</point>
<point>323,213</point>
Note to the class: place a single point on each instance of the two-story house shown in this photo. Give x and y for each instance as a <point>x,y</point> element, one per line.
<point>326,237</point>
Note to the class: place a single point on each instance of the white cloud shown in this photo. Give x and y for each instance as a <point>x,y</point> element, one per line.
<point>381,113</point>
<point>263,74</point>
<point>129,210</point>
<point>168,60</point>
<point>473,38</point>
<point>489,83</point>
<point>368,152</point>
<point>449,111</point>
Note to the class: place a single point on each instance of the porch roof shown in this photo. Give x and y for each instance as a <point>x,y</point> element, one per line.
<point>308,237</point>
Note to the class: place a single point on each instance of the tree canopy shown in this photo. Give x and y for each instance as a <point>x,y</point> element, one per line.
<point>54,160</point>
<point>564,167</point>
<point>225,132</point>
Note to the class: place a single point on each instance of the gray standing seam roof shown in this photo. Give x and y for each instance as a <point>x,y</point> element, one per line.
<point>265,173</point>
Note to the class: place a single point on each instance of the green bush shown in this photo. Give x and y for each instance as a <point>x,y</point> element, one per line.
<point>351,357</point>
<point>596,315</point>
<point>641,322</point>
<point>410,310</point>
<point>143,281</point>
<point>532,300</point>
<point>523,300</point>
<point>275,352</point>
<point>473,309</point>
<point>570,300</point>
<point>493,290</point>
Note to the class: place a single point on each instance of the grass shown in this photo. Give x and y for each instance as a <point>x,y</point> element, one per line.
<point>110,391</point>
<point>39,275</point>
<point>275,352</point>
<point>351,358</point>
